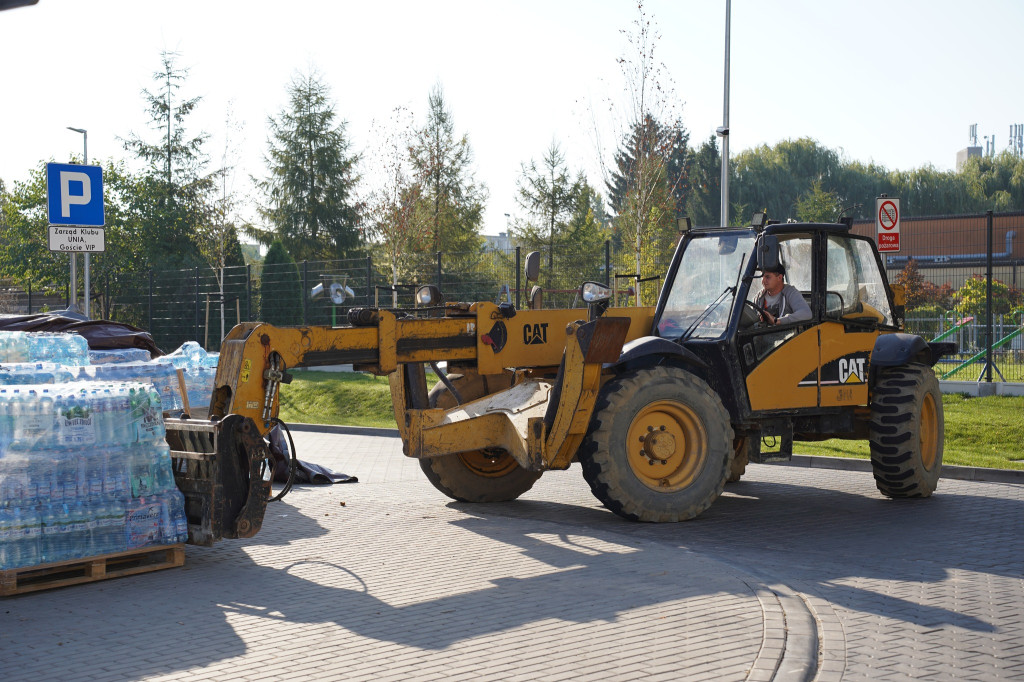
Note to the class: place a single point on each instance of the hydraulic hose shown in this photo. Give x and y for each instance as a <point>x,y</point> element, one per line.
<point>289,459</point>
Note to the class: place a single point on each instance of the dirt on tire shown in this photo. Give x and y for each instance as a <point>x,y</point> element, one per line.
<point>702,456</point>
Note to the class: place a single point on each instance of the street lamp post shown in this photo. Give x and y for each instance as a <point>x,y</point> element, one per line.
<point>724,130</point>
<point>74,258</point>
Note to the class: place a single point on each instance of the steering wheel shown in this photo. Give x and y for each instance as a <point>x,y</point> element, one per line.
<point>750,316</point>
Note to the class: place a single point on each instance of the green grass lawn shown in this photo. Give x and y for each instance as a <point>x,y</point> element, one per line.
<point>984,432</point>
<point>343,398</point>
<point>980,432</point>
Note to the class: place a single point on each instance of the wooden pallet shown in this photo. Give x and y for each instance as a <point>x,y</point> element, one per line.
<point>90,569</point>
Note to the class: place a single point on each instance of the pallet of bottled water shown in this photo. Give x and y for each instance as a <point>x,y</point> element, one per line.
<point>57,347</point>
<point>85,471</point>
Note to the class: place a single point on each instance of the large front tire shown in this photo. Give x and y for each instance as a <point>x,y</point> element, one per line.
<point>477,476</point>
<point>660,445</point>
<point>907,431</point>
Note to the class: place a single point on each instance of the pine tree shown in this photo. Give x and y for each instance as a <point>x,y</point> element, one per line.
<point>450,201</point>
<point>549,194</point>
<point>281,294</point>
<point>309,193</point>
<point>172,198</point>
<point>703,205</point>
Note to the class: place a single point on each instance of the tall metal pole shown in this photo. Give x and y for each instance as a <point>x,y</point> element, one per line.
<point>74,275</point>
<point>988,298</point>
<point>724,130</point>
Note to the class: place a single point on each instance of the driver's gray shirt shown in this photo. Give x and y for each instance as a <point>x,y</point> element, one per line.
<point>786,306</point>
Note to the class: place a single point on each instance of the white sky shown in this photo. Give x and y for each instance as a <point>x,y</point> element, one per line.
<point>896,81</point>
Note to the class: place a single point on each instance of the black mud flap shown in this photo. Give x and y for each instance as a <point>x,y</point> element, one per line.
<point>223,469</point>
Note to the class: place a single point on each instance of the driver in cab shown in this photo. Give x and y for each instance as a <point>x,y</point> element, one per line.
<point>778,302</point>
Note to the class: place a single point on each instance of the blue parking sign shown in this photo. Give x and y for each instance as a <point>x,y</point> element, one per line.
<point>74,194</point>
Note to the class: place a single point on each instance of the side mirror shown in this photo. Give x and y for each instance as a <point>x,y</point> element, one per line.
<point>768,252</point>
<point>532,267</point>
<point>429,295</point>
<point>595,292</point>
<point>536,298</point>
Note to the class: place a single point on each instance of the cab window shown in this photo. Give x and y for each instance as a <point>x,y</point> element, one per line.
<point>795,252</point>
<point>854,286</point>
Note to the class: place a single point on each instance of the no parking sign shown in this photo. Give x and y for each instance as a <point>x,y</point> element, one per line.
<point>887,224</point>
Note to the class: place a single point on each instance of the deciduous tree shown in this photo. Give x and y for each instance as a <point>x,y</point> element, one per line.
<point>395,228</point>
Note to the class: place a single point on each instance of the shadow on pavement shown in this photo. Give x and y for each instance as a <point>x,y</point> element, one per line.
<point>786,533</point>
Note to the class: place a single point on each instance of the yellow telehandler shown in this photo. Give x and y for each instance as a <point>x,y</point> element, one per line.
<point>660,405</point>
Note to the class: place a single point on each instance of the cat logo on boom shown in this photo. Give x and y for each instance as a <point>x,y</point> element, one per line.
<point>535,334</point>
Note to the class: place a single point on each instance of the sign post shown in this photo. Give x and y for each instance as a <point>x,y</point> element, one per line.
<point>887,224</point>
<point>74,202</point>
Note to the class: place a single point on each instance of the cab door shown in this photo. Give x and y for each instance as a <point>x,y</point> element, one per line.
<point>856,308</point>
<point>781,363</point>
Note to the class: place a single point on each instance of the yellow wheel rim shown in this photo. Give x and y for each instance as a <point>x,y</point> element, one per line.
<point>929,432</point>
<point>482,464</point>
<point>667,446</point>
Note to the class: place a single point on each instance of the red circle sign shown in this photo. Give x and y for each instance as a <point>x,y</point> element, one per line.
<point>887,215</point>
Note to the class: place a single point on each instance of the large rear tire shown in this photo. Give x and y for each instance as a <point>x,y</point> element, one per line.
<point>660,445</point>
<point>907,431</point>
<point>477,476</point>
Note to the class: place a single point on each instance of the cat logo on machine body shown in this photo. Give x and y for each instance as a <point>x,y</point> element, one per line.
<point>849,369</point>
<point>535,334</point>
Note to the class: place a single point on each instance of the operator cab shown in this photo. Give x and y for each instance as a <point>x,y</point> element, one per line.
<point>707,305</point>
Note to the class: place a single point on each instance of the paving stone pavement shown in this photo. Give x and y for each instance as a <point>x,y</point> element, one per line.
<point>794,573</point>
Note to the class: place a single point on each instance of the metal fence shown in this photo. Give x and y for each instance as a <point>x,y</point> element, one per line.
<point>201,304</point>
<point>957,257</point>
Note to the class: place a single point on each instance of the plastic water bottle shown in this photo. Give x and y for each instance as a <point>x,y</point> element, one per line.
<point>111,527</point>
<point>163,472</point>
<point>53,527</point>
<point>69,477</point>
<point>142,471</point>
<point>19,348</point>
<point>42,472</point>
<point>151,424</point>
<point>80,349</point>
<point>6,422</point>
<point>32,427</point>
<point>117,476</point>
<point>26,530</point>
<point>142,521</point>
<point>120,416</point>
<point>79,537</point>
<point>94,470</point>
<point>14,481</point>
<point>7,550</point>
<point>168,530</point>
<point>76,422</point>
<point>176,508</point>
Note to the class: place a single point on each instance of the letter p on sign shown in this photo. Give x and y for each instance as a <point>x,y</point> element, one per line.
<point>67,198</point>
<point>74,195</point>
